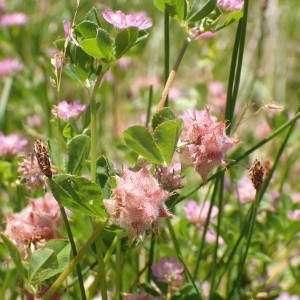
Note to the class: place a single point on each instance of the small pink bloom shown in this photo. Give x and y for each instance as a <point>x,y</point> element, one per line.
<point>9,66</point>
<point>124,62</point>
<point>295,197</point>
<point>207,141</point>
<point>294,214</point>
<point>137,202</point>
<point>168,270</point>
<point>217,96</point>
<point>122,21</point>
<point>68,29</point>
<point>205,35</point>
<point>13,19</point>
<point>245,190</point>
<point>34,121</point>
<point>12,145</point>
<point>231,4</point>
<point>65,110</point>
<point>174,93</point>
<point>211,237</point>
<point>169,177</point>
<point>197,213</point>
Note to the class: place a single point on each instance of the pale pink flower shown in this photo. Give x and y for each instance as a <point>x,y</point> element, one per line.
<point>207,141</point>
<point>217,96</point>
<point>294,214</point>
<point>2,7</point>
<point>68,29</point>
<point>168,270</point>
<point>122,21</point>
<point>12,145</point>
<point>137,201</point>
<point>34,121</point>
<point>287,296</point>
<point>245,190</point>
<point>295,197</point>
<point>231,4</point>
<point>197,213</point>
<point>13,19</point>
<point>9,66</point>
<point>263,129</point>
<point>211,237</point>
<point>169,177</point>
<point>124,62</point>
<point>39,221</point>
<point>174,93</point>
<point>65,110</point>
<point>142,295</point>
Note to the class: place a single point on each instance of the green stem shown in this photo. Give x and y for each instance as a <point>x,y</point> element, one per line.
<point>236,67</point>
<point>73,248</point>
<point>199,255</point>
<point>215,259</point>
<point>82,251</point>
<point>93,109</point>
<point>150,98</point>
<point>172,75</point>
<point>101,269</point>
<point>178,252</point>
<point>241,157</point>
<point>119,267</point>
<point>151,257</point>
<point>4,101</point>
<point>167,48</point>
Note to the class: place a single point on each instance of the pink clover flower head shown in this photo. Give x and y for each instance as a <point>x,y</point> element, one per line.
<point>122,21</point>
<point>197,213</point>
<point>12,145</point>
<point>124,62</point>
<point>211,237</point>
<point>38,221</point>
<point>207,141</point>
<point>68,29</point>
<point>287,296</point>
<point>65,110</point>
<point>231,4</point>
<point>294,214</point>
<point>245,190</point>
<point>168,270</point>
<point>13,19</point>
<point>137,201</point>
<point>9,66</point>
<point>169,177</point>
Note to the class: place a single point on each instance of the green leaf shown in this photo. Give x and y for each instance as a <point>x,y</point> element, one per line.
<point>104,173</point>
<point>68,131</point>
<point>105,44</point>
<point>78,194</point>
<point>201,9</point>
<point>125,40</point>
<point>138,139</point>
<point>40,265</point>
<point>90,47</point>
<point>14,253</point>
<point>78,151</point>
<point>86,29</point>
<point>175,8</point>
<point>161,116</point>
<point>166,136</point>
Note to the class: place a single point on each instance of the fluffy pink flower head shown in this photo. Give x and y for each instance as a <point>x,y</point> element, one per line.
<point>14,19</point>
<point>208,142</point>
<point>122,21</point>
<point>168,270</point>
<point>287,296</point>
<point>197,213</point>
<point>9,66</point>
<point>12,145</point>
<point>169,177</point>
<point>142,295</point>
<point>231,4</point>
<point>138,201</point>
<point>39,221</point>
<point>65,110</point>
<point>245,190</point>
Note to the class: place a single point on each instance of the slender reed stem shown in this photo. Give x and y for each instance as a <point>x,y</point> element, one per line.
<point>172,75</point>
<point>167,48</point>
<point>178,252</point>
<point>73,246</point>
<point>150,98</point>
<point>101,270</point>
<point>199,254</point>
<point>119,267</point>
<point>93,109</point>
<point>151,256</point>
<point>82,251</point>
<point>4,100</point>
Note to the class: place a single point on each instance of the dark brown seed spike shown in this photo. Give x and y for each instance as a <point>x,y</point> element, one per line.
<point>42,156</point>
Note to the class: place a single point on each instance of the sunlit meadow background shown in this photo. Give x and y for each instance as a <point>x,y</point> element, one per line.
<point>268,97</point>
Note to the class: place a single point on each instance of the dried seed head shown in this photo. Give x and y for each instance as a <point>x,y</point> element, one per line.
<point>42,156</point>
<point>256,174</point>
